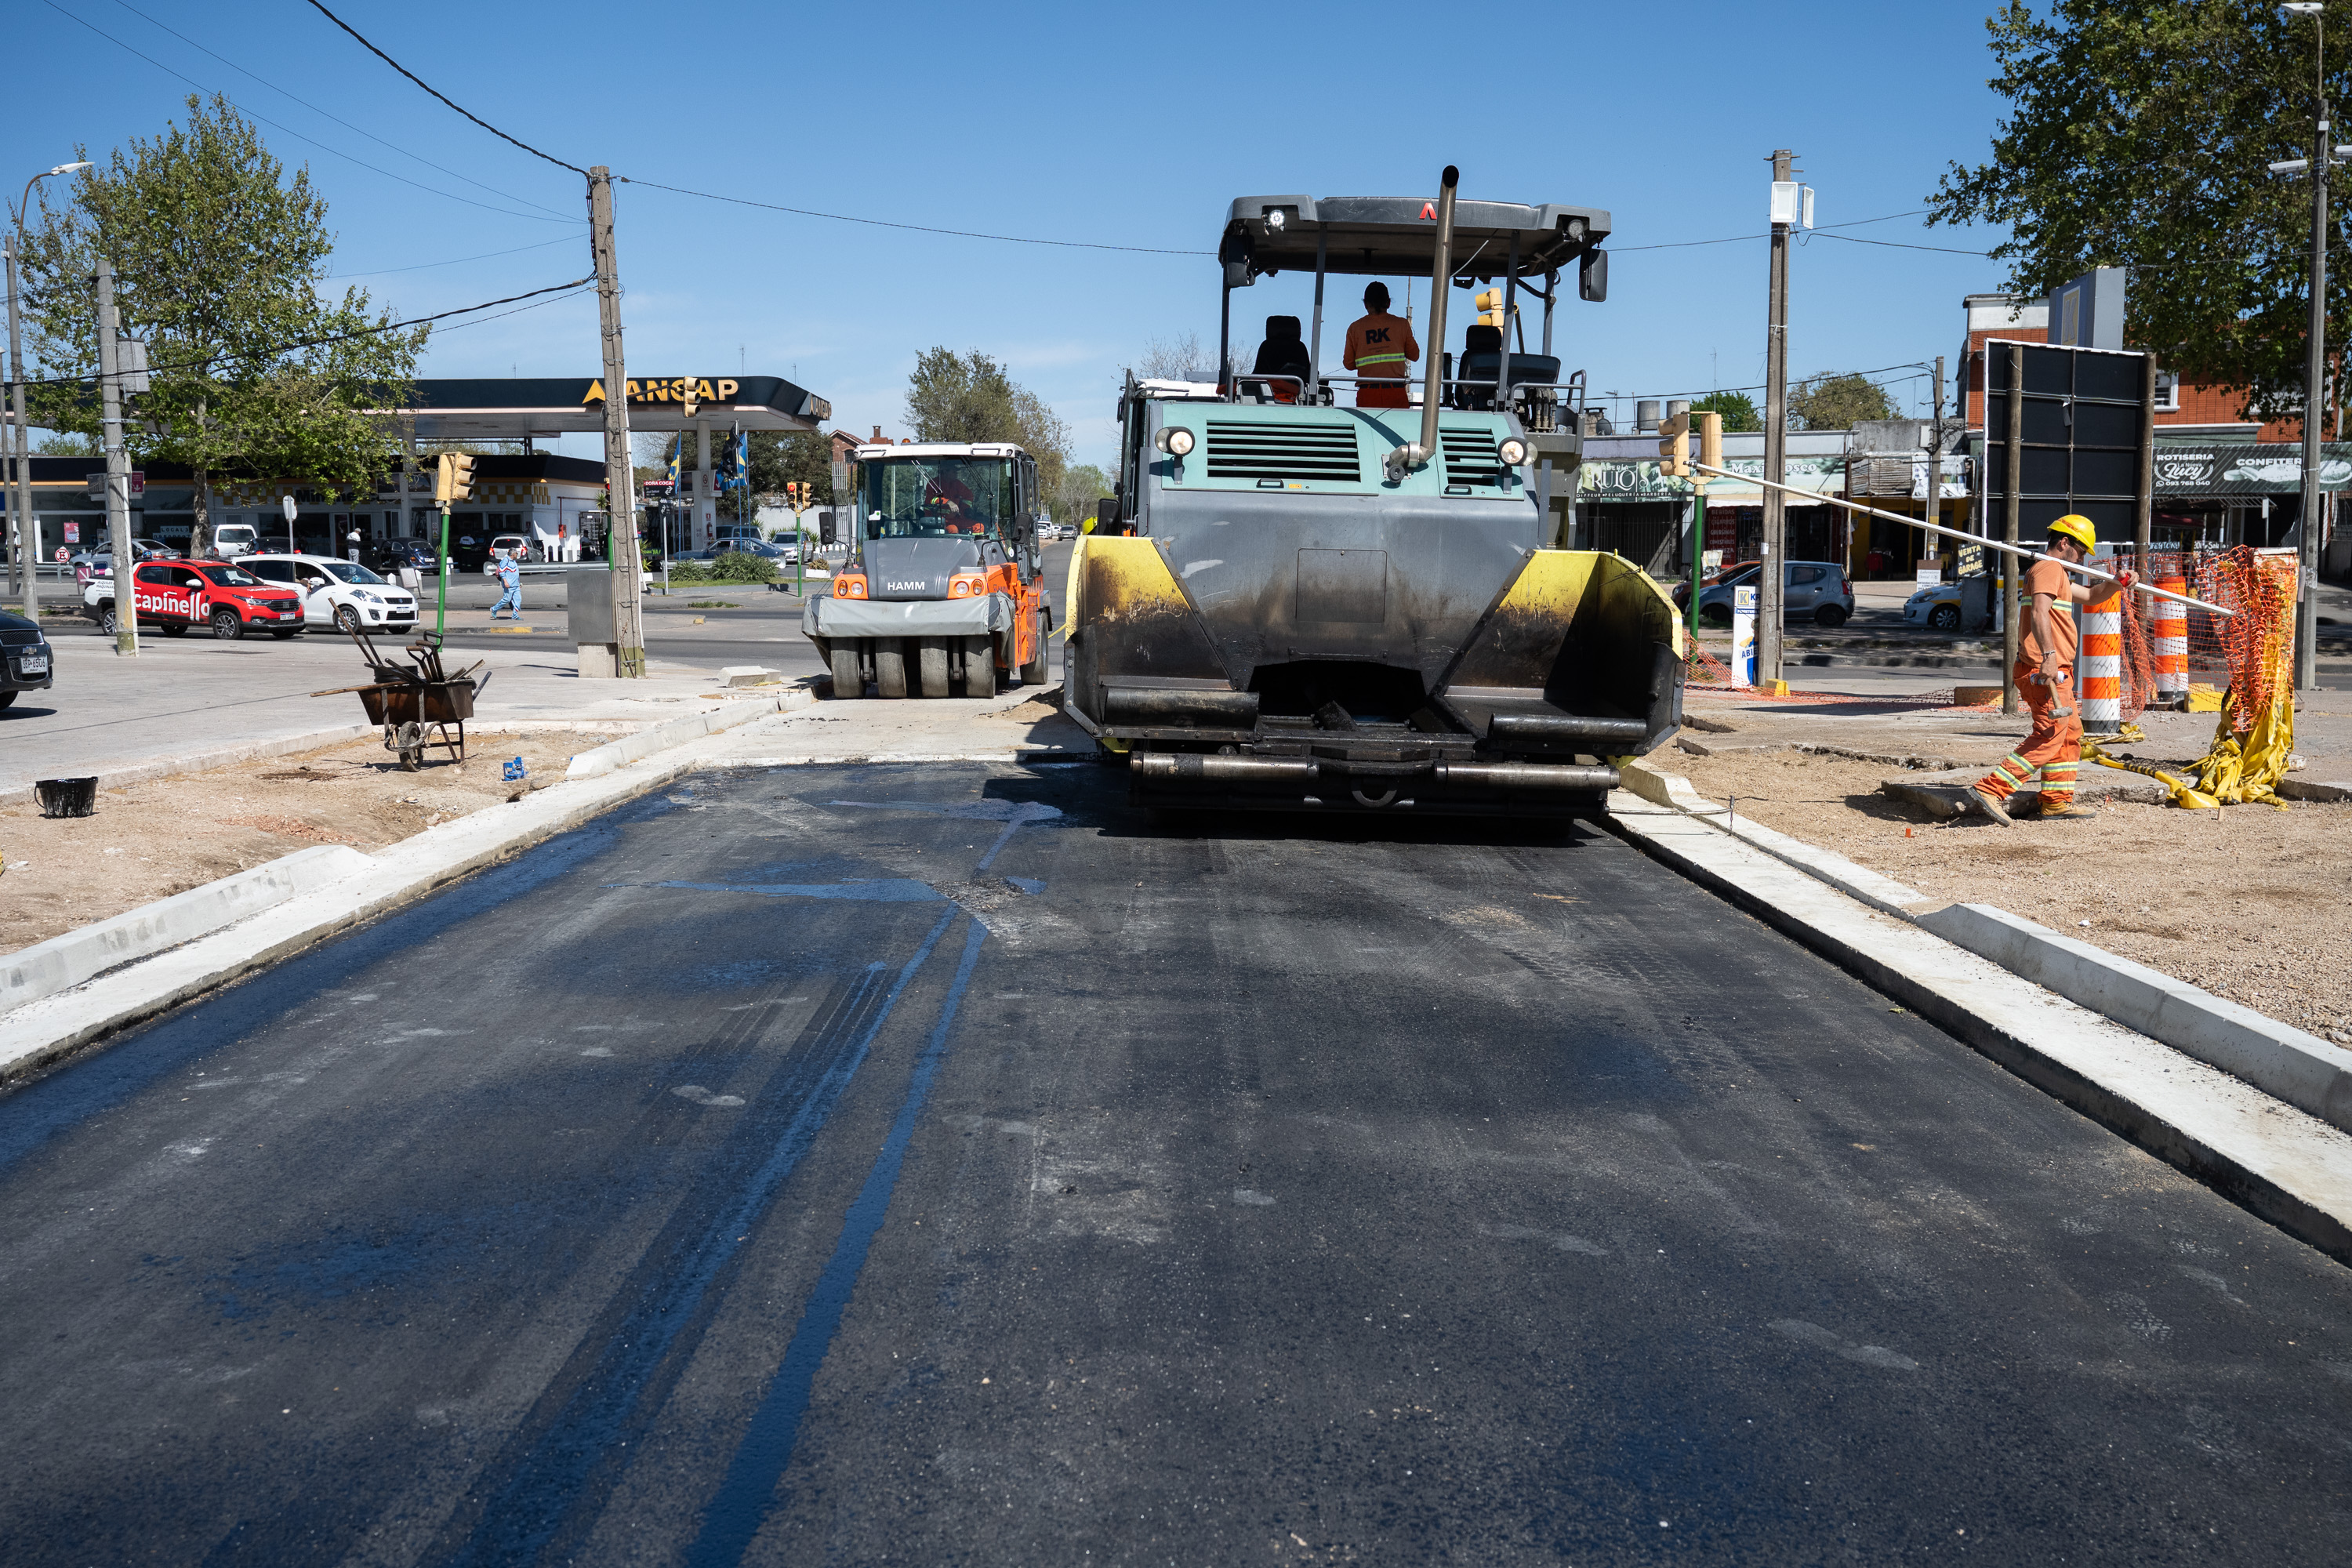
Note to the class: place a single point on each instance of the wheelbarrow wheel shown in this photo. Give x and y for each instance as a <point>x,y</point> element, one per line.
<point>412,746</point>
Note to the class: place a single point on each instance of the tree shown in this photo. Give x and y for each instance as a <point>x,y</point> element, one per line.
<point>218,256</point>
<point>1176,359</point>
<point>969,397</point>
<point>1827,402</point>
<point>1737,410</point>
<point>1082,487</point>
<point>2136,137</point>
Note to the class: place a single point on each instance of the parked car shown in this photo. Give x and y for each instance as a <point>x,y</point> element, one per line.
<point>392,554</point>
<point>172,595</point>
<point>1814,588</point>
<point>515,545</point>
<point>102,562</point>
<point>27,663</point>
<point>745,547</point>
<point>231,539</point>
<point>339,594</point>
<point>1937,604</point>
<point>1723,573</point>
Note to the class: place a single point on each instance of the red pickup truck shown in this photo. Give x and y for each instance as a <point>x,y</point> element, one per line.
<point>172,595</point>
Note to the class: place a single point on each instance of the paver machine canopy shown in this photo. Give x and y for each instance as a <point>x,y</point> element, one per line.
<point>1294,604</point>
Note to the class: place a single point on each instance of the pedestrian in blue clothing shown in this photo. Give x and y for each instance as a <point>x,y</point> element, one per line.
<point>510,576</point>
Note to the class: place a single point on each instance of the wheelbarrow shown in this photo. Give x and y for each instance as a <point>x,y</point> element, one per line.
<point>419,704</point>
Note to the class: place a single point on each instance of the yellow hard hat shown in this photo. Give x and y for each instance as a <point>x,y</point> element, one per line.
<point>1087,526</point>
<point>2076,527</point>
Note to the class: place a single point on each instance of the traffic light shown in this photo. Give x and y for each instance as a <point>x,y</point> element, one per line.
<point>1674,454</point>
<point>1710,440</point>
<point>455,479</point>
<point>1490,307</point>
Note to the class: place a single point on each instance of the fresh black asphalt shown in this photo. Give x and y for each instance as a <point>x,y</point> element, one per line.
<point>944,1164</point>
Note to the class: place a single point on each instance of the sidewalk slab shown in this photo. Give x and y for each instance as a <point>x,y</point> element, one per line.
<point>604,759</point>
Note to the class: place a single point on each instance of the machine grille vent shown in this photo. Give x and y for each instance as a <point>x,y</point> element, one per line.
<point>1246,449</point>
<point>1472,457</point>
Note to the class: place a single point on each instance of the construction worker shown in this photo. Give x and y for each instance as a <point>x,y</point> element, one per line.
<point>1380,344</point>
<point>2046,677</point>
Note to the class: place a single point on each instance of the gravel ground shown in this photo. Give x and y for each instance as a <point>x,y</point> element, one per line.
<point>151,840</point>
<point>2249,902</point>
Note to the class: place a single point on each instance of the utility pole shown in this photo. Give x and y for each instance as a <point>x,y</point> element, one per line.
<point>26,554</point>
<point>1774,571</point>
<point>118,469</point>
<point>629,566</point>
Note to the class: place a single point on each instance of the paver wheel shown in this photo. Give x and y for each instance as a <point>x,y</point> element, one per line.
<point>848,682</point>
<point>227,624</point>
<point>1033,672</point>
<point>890,666</point>
<point>931,664</point>
<point>980,667</point>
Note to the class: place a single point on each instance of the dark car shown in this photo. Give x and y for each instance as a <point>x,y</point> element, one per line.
<point>27,663</point>
<point>1723,573</point>
<point>1818,590</point>
<point>389,555</point>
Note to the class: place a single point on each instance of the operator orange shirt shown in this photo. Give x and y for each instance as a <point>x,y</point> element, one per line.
<point>2046,576</point>
<point>1380,345</point>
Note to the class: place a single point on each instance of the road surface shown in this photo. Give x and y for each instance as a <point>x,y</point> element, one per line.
<point>944,1164</point>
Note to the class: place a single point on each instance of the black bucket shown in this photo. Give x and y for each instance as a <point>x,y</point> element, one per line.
<point>66,797</point>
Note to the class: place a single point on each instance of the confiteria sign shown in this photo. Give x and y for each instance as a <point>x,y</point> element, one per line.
<point>673,389</point>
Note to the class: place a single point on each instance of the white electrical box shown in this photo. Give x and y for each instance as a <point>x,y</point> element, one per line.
<point>1792,204</point>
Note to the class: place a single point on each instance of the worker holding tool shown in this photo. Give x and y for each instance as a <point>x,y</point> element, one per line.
<point>2045,678</point>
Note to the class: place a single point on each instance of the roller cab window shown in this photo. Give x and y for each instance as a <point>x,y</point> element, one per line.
<point>937,498</point>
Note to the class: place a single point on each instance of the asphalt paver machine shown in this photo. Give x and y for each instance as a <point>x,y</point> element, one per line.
<point>943,590</point>
<point>1293,603</point>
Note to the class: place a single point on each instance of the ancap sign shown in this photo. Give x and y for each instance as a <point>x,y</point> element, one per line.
<point>673,389</point>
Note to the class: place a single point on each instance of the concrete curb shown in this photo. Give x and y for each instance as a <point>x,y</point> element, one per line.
<point>43,1032</point>
<point>2300,1069</point>
<point>600,759</point>
<point>2291,1169</point>
<point>2302,789</point>
<point>201,762</point>
<point>47,967</point>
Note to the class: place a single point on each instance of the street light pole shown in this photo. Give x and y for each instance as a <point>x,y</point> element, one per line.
<point>28,533</point>
<point>2314,370</point>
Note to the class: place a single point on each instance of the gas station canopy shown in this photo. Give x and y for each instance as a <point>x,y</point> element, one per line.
<point>513,409</point>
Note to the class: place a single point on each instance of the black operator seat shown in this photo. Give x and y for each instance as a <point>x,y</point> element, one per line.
<point>1284,353</point>
<point>1481,359</point>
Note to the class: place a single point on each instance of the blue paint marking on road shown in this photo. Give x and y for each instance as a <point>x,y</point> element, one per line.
<point>1013,813</point>
<point>1029,885</point>
<point>40,1110</point>
<point>882,891</point>
<point>547,1485</point>
<point>747,1496</point>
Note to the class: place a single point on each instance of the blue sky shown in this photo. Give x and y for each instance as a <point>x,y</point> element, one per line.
<point>1131,125</point>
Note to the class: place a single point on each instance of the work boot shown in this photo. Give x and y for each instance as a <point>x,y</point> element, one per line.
<point>1985,803</point>
<point>2070,812</point>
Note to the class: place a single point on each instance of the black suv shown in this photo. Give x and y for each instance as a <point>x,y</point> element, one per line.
<point>27,663</point>
<point>389,555</point>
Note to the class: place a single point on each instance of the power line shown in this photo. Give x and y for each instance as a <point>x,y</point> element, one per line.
<point>419,267</point>
<point>420,81</point>
<point>277,349</point>
<point>916,227</point>
<point>289,131</point>
<point>336,118</point>
<point>1822,230</point>
<point>1898,244</point>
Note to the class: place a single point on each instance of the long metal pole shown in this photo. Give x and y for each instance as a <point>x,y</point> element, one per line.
<point>118,469</point>
<point>2018,550</point>
<point>2315,384</point>
<point>628,588</point>
<point>1934,510</point>
<point>2014,453</point>
<point>1543,468</point>
<point>1432,355</point>
<point>1315,338</point>
<point>1772,601</point>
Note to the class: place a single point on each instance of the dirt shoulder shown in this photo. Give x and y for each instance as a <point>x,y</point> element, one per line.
<point>148,841</point>
<point>2249,902</point>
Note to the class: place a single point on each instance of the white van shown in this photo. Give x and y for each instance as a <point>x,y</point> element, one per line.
<point>231,539</point>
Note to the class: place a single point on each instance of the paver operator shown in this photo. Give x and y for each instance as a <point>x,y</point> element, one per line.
<point>2045,679</point>
<point>1380,344</point>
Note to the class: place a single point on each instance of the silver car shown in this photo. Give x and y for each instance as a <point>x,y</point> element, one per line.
<point>1818,590</point>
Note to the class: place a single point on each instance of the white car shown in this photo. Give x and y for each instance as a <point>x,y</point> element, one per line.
<point>512,544</point>
<point>344,594</point>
